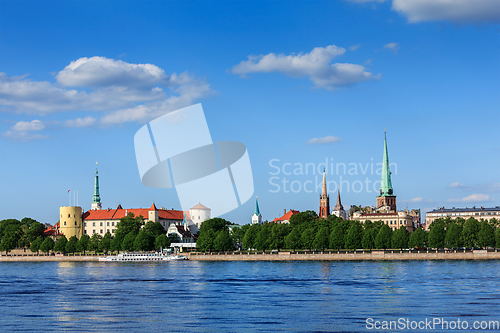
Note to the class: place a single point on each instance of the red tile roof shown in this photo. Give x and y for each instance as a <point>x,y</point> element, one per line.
<point>116,214</point>
<point>287,216</point>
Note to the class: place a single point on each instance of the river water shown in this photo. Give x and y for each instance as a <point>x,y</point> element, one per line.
<point>293,296</point>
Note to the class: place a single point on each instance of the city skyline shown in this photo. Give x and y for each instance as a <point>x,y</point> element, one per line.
<point>78,79</point>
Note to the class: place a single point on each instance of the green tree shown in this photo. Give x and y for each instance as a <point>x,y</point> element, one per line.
<point>60,245</point>
<point>70,246</point>
<point>174,238</point>
<point>144,241</point>
<point>35,245</point>
<point>400,238</point>
<point>304,218</point>
<point>337,237</point>
<point>307,238</point>
<point>263,236</point>
<point>292,240</point>
<point>129,224</point>
<point>94,242</point>
<point>497,238</point>
<point>116,243</point>
<point>354,236</point>
<point>368,241</point>
<point>205,240</point>
<point>155,229</point>
<point>251,236</point>
<point>469,232</point>
<point>47,245</point>
<point>83,243</point>
<point>417,239</point>
<point>321,240</point>
<point>437,234</point>
<point>105,243</point>
<point>128,241</point>
<point>162,242</point>
<point>486,235</point>
<point>223,241</point>
<point>384,237</point>
<point>36,230</point>
<point>453,239</point>
<point>278,233</point>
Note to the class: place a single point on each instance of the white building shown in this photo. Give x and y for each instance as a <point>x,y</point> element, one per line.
<point>256,217</point>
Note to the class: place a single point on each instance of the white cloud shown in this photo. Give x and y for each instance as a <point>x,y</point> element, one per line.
<point>324,140</point>
<point>392,46</point>
<point>474,198</point>
<point>458,185</point>
<point>23,131</point>
<point>457,11</point>
<point>315,65</point>
<point>122,91</point>
<point>354,47</point>
<point>80,122</point>
<point>27,126</point>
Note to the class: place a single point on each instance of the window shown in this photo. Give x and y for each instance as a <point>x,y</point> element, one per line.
<point>75,222</point>
<point>198,217</point>
<point>101,224</point>
<point>113,231</point>
<point>85,223</point>
<point>101,231</point>
<point>113,224</point>
<point>74,215</point>
<point>93,231</point>
<point>64,222</point>
<point>69,215</point>
<point>85,232</point>
<point>93,224</point>
<point>107,224</point>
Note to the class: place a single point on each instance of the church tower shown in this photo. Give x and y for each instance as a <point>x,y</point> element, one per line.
<point>256,217</point>
<point>96,201</point>
<point>338,210</point>
<point>386,200</point>
<point>324,200</point>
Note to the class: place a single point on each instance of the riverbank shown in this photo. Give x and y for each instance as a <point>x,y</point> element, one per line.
<point>298,255</point>
<point>351,255</point>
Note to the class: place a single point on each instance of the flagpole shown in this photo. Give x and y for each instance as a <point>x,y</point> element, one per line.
<point>69,197</point>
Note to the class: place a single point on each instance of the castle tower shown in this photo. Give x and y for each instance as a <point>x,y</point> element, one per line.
<point>386,200</point>
<point>256,217</point>
<point>324,200</point>
<point>96,201</point>
<point>338,210</point>
<point>70,221</point>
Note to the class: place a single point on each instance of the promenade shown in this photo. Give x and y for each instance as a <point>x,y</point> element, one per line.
<point>491,254</point>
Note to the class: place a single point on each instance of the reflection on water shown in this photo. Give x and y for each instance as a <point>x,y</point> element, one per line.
<point>242,296</point>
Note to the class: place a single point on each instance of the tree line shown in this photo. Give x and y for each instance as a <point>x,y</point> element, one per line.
<point>307,231</point>
<point>131,234</point>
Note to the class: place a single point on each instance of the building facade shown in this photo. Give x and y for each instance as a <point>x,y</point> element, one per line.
<point>479,213</point>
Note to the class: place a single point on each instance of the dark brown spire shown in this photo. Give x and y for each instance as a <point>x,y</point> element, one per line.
<point>338,206</point>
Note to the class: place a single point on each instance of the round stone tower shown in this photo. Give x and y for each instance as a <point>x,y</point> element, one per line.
<point>70,221</point>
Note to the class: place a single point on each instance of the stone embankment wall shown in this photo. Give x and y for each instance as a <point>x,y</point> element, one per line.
<point>14,257</point>
<point>354,255</point>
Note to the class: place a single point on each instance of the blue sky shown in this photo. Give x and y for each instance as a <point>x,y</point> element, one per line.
<point>296,82</point>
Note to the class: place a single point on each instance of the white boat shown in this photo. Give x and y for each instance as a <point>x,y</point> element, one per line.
<point>137,257</point>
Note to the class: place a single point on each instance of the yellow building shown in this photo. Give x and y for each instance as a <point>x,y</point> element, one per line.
<point>70,221</point>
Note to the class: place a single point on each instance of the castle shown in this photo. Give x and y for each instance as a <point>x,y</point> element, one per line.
<point>73,221</point>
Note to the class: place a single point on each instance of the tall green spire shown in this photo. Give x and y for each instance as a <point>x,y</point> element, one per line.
<point>386,184</point>
<point>257,211</point>
<point>97,198</point>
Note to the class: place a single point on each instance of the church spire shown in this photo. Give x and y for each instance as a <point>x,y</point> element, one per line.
<point>323,192</point>
<point>256,217</point>
<point>386,200</point>
<point>324,200</point>
<point>386,184</point>
<point>338,206</point>
<point>96,201</point>
<point>257,211</point>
